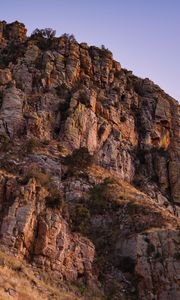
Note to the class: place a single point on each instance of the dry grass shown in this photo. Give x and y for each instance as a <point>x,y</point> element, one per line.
<point>20,287</point>
<point>22,281</point>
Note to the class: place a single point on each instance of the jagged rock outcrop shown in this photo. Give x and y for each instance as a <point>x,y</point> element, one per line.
<point>29,228</point>
<point>12,31</point>
<point>57,96</point>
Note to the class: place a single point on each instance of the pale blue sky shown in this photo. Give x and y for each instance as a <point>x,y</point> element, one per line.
<point>144,35</point>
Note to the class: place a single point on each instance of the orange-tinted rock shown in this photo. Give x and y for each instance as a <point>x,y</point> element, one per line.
<point>14,31</point>
<point>57,96</point>
<point>5,76</point>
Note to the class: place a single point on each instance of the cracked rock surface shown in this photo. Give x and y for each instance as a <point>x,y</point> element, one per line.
<point>89,173</point>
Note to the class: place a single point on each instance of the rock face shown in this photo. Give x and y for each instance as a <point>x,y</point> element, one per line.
<point>12,121</point>
<point>30,228</point>
<point>58,96</point>
<point>13,31</point>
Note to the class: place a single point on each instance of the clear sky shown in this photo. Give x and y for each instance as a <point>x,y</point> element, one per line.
<point>144,35</point>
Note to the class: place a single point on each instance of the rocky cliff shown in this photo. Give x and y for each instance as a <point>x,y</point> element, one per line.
<point>89,172</point>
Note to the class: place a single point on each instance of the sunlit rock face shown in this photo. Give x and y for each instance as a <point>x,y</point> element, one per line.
<point>58,96</point>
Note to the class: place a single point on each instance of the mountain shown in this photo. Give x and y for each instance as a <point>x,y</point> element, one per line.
<point>89,174</point>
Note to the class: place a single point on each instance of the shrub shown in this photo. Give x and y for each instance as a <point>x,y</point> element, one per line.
<point>55,198</point>
<point>158,255</point>
<point>97,203</point>
<point>31,145</point>
<point>99,197</point>
<point>155,178</point>
<point>105,52</point>
<point>70,37</point>
<point>79,159</point>
<point>123,118</point>
<point>43,37</point>
<point>103,47</point>
<point>80,217</point>
<point>108,180</point>
<point>41,177</point>
<point>64,106</point>
<point>123,97</point>
<point>11,53</point>
<point>177,255</point>
<point>45,142</point>
<point>118,74</point>
<point>4,142</point>
<point>126,264</point>
<point>150,249</point>
<point>133,208</point>
<point>47,33</point>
